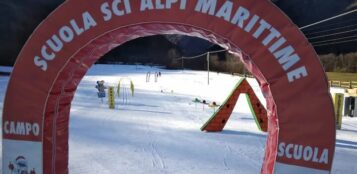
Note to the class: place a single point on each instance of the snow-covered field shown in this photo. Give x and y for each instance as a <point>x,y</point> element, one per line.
<point>158,130</point>
<point>5,69</point>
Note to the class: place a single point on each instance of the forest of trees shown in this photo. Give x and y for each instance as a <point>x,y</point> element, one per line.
<point>340,63</point>
<point>170,57</point>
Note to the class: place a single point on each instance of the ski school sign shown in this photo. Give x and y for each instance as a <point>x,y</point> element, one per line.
<point>239,16</point>
<point>301,126</point>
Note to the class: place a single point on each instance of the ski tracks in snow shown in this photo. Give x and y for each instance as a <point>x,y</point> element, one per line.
<point>157,161</point>
<point>230,153</point>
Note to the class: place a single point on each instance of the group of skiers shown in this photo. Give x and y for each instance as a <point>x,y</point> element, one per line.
<point>157,75</point>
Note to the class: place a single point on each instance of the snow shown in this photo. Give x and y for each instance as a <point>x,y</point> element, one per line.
<point>5,69</point>
<point>158,130</point>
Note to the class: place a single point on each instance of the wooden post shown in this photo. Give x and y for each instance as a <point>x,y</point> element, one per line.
<point>111,97</point>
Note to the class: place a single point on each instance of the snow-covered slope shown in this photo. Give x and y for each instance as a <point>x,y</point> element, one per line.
<point>5,69</point>
<point>158,130</point>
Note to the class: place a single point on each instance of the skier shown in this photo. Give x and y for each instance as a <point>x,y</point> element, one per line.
<point>156,76</point>
<point>148,76</point>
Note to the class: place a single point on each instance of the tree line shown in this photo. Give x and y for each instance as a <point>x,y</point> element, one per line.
<point>226,62</point>
<point>346,63</point>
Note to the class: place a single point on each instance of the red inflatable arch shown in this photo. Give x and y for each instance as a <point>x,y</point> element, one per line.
<point>301,124</point>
